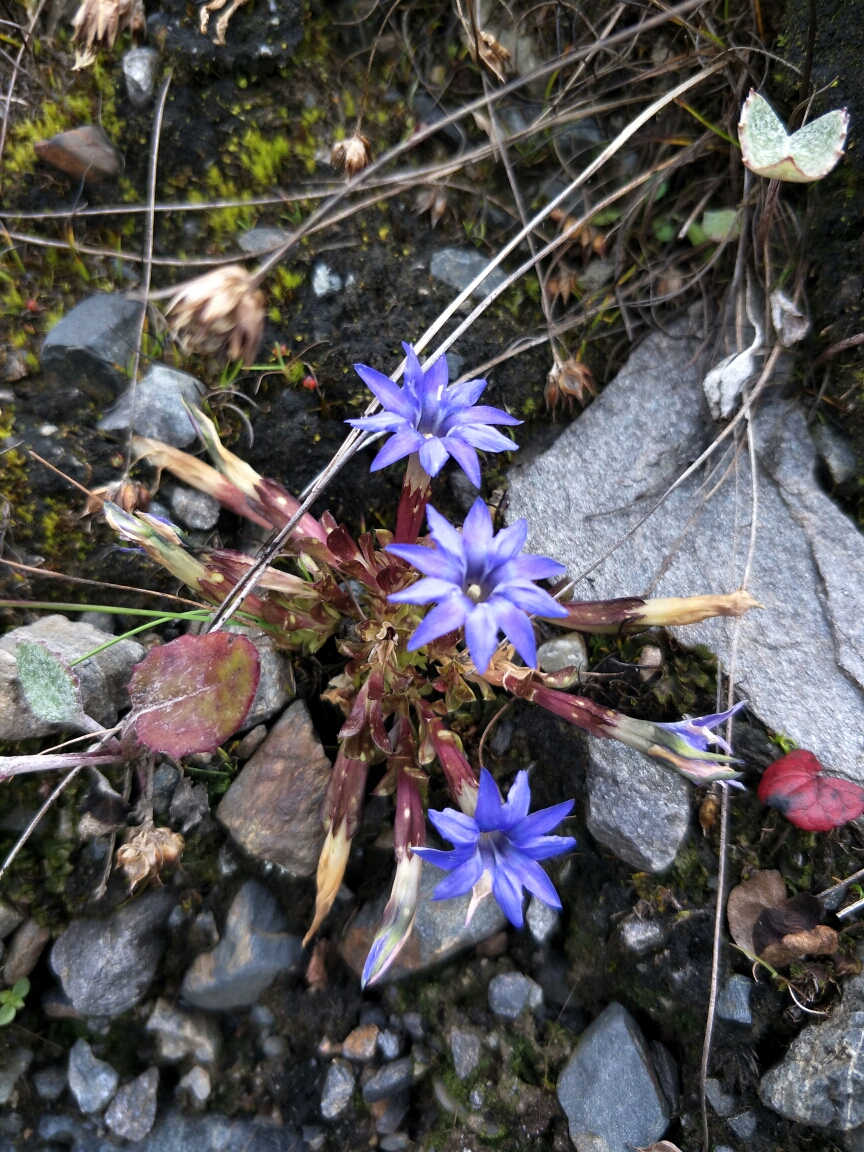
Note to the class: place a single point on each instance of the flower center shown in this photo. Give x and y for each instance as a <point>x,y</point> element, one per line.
<point>474,592</point>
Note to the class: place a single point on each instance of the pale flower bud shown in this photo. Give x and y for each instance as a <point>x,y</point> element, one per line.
<point>221,312</point>
<point>353,155</point>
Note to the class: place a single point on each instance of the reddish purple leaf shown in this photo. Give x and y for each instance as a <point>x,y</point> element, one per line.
<point>192,694</point>
<point>807,798</point>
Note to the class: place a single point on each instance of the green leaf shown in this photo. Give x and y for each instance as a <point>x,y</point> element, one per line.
<point>7,1014</point>
<point>52,689</point>
<point>21,987</point>
<point>720,224</point>
<point>805,156</point>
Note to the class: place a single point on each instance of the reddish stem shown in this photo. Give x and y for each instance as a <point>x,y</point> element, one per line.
<point>412,502</point>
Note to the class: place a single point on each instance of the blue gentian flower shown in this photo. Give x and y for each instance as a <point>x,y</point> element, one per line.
<point>696,732</point>
<point>478,579</point>
<point>500,845</point>
<point>431,419</point>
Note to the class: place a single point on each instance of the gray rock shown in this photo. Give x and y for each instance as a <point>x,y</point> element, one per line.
<point>274,685</point>
<point>640,936</point>
<point>439,930</point>
<point>165,780</point>
<point>464,492</point>
<point>459,266</point>
<point>465,1047</point>
<point>196,1083</point>
<point>195,509</point>
<point>733,1003</point>
<point>50,1083</point>
<point>258,240</point>
<point>106,966</point>
<point>25,948</point>
<point>609,467</point>
<point>156,406</point>
<point>510,994</point>
<point>338,1089</point>
<point>253,951</point>
<point>272,808</point>
<point>92,1082</point>
<point>820,1081</point>
<point>542,920</point>
<point>217,1133</point>
<point>635,806</point>
<point>723,1103</point>
<point>743,1125</point>
<point>103,677</point>
<point>389,1080</point>
<point>274,1047</point>
<point>666,1068</point>
<point>262,1016</point>
<point>455,364</point>
<point>251,742</point>
<point>325,282</point>
<point>609,1087</point>
<point>132,1112</point>
<point>563,652</point>
<point>390,1044</point>
<point>181,1034</point>
<point>413,1024</point>
<point>13,1065</point>
<point>9,919</point>
<point>598,273</point>
<point>397,1142</point>
<point>90,347</point>
<point>189,804</point>
<point>836,451</point>
<point>140,69</point>
<point>394,1113</point>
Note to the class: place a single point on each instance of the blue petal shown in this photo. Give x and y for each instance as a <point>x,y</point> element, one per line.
<point>465,456</point>
<point>434,386</point>
<point>529,568</point>
<point>445,617</point>
<point>485,414</point>
<point>533,878</point>
<point>426,591</point>
<point>398,446</point>
<point>455,826</point>
<point>443,532</point>
<point>540,822</point>
<point>446,860</point>
<point>508,543</point>
<point>481,635</point>
<point>486,438</point>
<point>413,379</point>
<point>542,847</point>
<point>516,627</point>
<point>460,880</point>
<point>389,394</point>
<point>380,422</point>
<point>507,890</point>
<point>433,455</point>
<point>430,561</point>
<point>515,807</point>
<point>477,535</point>
<point>464,395</point>
<point>487,815</point>
<point>530,598</point>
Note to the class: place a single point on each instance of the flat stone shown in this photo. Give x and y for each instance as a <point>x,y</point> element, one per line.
<point>140,69</point>
<point>563,652</point>
<point>640,936</point>
<point>609,467</point>
<point>457,267</point>
<point>217,1133</point>
<point>465,1048</point>
<point>609,1087</point>
<point>724,1103</point>
<point>25,948</point>
<point>272,807</point>
<point>251,742</point>
<point>666,1068</point>
<point>253,951</point>
<point>390,1113</point>
<point>196,1083</point>
<point>156,407</point>
<point>510,994</point>
<point>10,919</point>
<point>195,509</point>
<point>338,1089</point>
<point>389,1080</point>
<point>258,240</point>
<point>50,1083</point>
<point>274,684</point>
<point>361,1044</point>
<point>92,1082</point>
<point>90,348</point>
<point>820,1081</point>
<point>189,804</point>
<point>132,1112</point>
<point>106,966</point>
<point>743,1125</point>
<point>181,1034</point>
<point>733,1003</point>
<point>439,930</point>
<point>103,677</point>
<point>13,1065</point>
<point>635,806</point>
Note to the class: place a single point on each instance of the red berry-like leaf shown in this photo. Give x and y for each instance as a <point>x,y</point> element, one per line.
<point>807,798</point>
<point>192,694</point>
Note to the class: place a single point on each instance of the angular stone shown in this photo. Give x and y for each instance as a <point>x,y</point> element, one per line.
<point>325,282</point>
<point>635,806</point>
<point>836,451</point>
<point>361,1044</point>
<point>338,1089</point>
<point>194,509</point>
<point>743,1125</point>
<point>390,1043</point>
<point>542,919</point>
<point>390,1113</point>
<point>103,677</point>
<point>459,266</point>
<point>196,1083</point>
<point>510,994</point>
<point>272,807</point>
<point>106,966</point>
<point>465,1048</point>
<point>253,951</point>
<point>140,69</point>
<point>156,405</point>
<point>389,1080</point>
<point>563,652</point>
<point>609,1087</point>
<point>820,1081</point>
<point>724,1103</point>
<point>274,684</point>
<point>91,346</point>
<point>640,936</point>
<point>181,1034</point>
<point>176,1132</point>
<point>258,240</point>
<point>733,1003</point>
<point>9,919</point>
<point>439,930</point>
<point>666,1068</point>
<point>13,1066</point>
<point>24,950</point>
<point>132,1112</point>
<point>608,469</point>
<point>50,1083</point>
<point>92,1082</point>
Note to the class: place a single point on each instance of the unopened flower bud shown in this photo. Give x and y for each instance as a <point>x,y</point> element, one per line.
<point>352,154</point>
<point>221,312</point>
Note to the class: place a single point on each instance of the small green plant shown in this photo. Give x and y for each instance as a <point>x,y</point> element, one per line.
<point>12,1000</point>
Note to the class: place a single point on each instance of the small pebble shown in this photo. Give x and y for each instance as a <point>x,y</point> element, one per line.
<point>733,1003</point>
<point>388,1080</point>
<point>723,1103</point>
<point>314,1138</point>
<point>133,1110</point>
<point>274,1047</point>
<point>13,1065</point>
<point>325,282</point>
<point>542,920</point>
<point>195,509</point>
<point>640,936</point>
<point>476,1099</point>
<point>92,1082</point>
<point>50,1082</point>
<point>398,1142</point>
<point>511,993</point>
<point>390,1113</point>
<point>465,1047</point>
<point>390,1044</point>
<point>338,1089</point>
<point>250,742</point>
<point>563,652</point>
<point>262,1016</point>
<point>197,1083</point>
<point>413,1025</point>
<point>743,1125</point>
<point>360,1044</point>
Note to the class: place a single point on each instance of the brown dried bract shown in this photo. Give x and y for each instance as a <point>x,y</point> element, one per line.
<point>352,155</point>
<point>568,380</point>
<point>748,900</point>
<point>222,22</point>
<point>130,495</point>
<point>433,201</point>
<point>149,850</point>
<point>221,312</point>
<point>98,23</point>
<point>81,152</point>
<point>484,45</point>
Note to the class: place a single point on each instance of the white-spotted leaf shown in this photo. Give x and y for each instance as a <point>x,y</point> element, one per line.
<point>52,689</point>
<point>805,156</point>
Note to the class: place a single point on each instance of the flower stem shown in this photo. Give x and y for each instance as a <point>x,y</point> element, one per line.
<point>413,501</point>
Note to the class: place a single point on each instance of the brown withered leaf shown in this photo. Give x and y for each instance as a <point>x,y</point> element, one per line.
<point>818,941</point>
<point>799,915</point>
<point>84,151</point>
<point>747,902</point>
<point>316,971</point>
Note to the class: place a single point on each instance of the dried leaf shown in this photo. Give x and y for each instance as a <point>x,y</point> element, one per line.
<point>799,915</point>
<point>790,324</point>
<point>84,151</point>
<point>795,784</point>
<point>818,941</point>
<point>192,694</point>
<point>747,902</point>
<point>52,689</point>
<point>806,155</point>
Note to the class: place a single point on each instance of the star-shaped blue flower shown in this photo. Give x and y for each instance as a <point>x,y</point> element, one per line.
<point>696,732</point>
<point>478,579</point>
<point>432,419</point>
<point>500,839</point>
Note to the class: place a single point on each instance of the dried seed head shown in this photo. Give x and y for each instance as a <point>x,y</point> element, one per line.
<point>353,155</point>
<point>149,850</point>
<point>98,23</point>
<point>566,381</point>
<point>493,54</point>
<point>128,494</point>
<point>221,312</point>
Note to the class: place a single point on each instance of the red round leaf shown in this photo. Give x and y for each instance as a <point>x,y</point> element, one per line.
<point>807,797</point>
<point>192,694</point>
